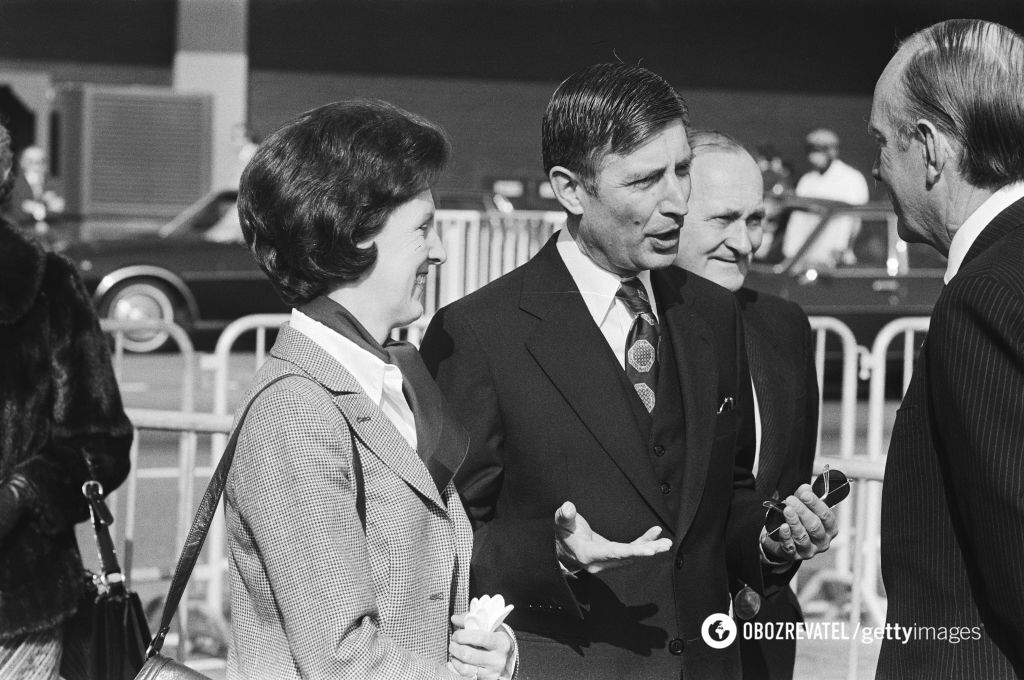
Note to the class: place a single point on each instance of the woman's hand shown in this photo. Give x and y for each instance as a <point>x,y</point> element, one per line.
<point>481,654</point>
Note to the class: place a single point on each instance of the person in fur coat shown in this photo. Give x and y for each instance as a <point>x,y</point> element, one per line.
<point>59,403</point>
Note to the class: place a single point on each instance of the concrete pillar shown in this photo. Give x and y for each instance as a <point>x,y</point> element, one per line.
<point>212,57</point>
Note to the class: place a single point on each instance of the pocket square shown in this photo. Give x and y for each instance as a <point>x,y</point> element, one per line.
<point>727,405</point>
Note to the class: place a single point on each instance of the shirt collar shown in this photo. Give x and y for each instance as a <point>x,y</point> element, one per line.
<point>598,286</point>
<point>968,233</point>
<point>368,370</point>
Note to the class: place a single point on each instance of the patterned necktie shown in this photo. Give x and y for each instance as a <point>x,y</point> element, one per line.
<point>641,342</point>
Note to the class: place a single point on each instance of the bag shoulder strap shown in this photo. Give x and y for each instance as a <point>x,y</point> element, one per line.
<point>208,507</point>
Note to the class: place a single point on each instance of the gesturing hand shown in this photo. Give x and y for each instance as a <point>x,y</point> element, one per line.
<point>580,547</point>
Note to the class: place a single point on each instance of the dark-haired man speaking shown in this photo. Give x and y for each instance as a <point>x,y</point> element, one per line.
<point>609,409</point>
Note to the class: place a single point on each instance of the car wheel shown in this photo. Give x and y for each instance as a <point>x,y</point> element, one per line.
<point>142,300</point>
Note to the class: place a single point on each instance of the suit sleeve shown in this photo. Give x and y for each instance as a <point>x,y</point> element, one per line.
<point>87,417</point>
<point>513,556</point>
<point>746,514</point>
<point>975,353</point>
<point>292,487</point>
<point>807,438</point>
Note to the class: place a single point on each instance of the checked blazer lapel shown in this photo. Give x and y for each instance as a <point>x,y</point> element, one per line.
<point>372,429</point>
<point>698,380</point>
<point>572,352</point>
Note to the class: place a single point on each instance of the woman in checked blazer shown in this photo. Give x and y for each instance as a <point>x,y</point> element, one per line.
<point>349,546</point>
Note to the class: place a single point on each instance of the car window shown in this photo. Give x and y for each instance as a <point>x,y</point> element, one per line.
<point>226,228</point>
<point>869,246</point>
<point>921,256</point>
<point>776,226</point>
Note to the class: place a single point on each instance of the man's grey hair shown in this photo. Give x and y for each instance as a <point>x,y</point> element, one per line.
<point>707,141</point>
<point>966,77</point>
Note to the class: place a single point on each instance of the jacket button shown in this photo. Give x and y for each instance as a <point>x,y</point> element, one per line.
<point>659,450</point>
<point>666,488</point>
<point>679,561</point>
<point>676,646</point>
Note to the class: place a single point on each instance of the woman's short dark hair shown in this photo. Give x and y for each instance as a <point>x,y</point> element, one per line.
<point>966,76</point>
<point>606,108</point>
<point>327,181</point>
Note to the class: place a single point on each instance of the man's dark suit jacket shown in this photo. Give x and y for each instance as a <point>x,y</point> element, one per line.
<point>780,350</point>
<point>542,394</point>
<point>953,497</point>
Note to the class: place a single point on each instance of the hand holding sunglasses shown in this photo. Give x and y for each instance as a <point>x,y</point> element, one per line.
<point>805,537</point>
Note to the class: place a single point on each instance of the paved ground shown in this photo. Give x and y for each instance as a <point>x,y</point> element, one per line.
<point>154,382</point>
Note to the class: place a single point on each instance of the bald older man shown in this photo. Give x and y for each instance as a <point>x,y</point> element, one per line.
<point>717,241</point>
<point>948,116</point>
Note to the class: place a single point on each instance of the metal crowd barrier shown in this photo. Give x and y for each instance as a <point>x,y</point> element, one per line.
<point>190,426</point>
<point>184,471</point>
<point>824,327</point>
<point>868,493</point>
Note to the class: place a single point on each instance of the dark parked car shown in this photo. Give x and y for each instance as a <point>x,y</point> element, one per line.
<point>878,279</point>
<point>195,270</point>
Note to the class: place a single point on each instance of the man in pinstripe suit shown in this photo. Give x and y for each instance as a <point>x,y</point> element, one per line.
<point>948,115</point>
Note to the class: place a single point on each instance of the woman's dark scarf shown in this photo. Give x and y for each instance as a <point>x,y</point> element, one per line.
<point>442,441</point>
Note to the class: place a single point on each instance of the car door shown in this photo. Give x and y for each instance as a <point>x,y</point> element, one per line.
<point>217,266</point>
<point>866,284</point>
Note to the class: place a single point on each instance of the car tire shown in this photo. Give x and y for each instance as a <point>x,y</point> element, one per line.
<point>143,299</point>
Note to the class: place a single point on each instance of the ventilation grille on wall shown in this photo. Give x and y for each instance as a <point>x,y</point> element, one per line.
<point>135,151</point>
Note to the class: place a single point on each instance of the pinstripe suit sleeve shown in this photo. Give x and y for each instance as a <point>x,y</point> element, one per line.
<point>293,490</point>
<point>976,355</point>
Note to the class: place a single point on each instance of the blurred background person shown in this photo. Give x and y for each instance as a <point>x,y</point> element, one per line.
<point>350,548</point>
<point>832,179</point>
<point>33,203</point>
<point>777,179</point>
<point>59,403</point>
<point>719,235</point>
<point>776,173</point>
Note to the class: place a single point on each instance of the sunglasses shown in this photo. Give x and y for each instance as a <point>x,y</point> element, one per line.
<point>831,486</point>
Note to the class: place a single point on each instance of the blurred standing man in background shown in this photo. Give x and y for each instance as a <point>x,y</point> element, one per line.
<point>594,386</point>
<point>834,180</point>
<point>722,231</point>
<point>33,203</point>
<point>948,116</point>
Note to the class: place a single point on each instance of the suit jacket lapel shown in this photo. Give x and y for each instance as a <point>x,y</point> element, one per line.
<point>698,381</point>
<point>372,428</point>
<point>1011,218</point>
<point>575,356</point>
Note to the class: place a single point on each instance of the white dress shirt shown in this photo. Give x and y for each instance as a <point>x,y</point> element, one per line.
<point>968,233</point>
<point>381,381</point>
<point>757,427</point>
<point>598,288</point>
